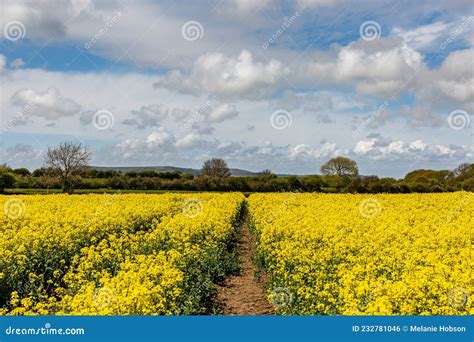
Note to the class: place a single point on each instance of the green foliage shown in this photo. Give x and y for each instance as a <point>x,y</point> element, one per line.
<point>40,172</point>
<point>7,179</point>
<point>427,176</point>
<point>462,178</point>
<point>340,166</point>
<point>22,171</point>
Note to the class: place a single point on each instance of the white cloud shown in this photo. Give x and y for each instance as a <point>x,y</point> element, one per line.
<point>422,36</point>
<point>364,146</point>
<point>455,77</point>
<point>188,141</point>
<point>307,152</point>
<point>382,68</point>
<point>49,104</point>
<point>227,76</point>
<point>222,112</point>
<point>43,19</point>
<point>416,150</point>
<point>155,144</point>
<point>395,147</point>
<point>417,145</point>
<point>159,138</point>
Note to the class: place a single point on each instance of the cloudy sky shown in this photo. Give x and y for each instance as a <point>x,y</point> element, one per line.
<point>283,85</point>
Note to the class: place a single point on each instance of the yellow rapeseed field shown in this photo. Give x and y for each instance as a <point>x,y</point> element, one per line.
<point>114,254</point>
<point>387,254</point>
<point>142,254</point>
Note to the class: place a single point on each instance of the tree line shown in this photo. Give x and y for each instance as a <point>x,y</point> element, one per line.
<point>66,167</point>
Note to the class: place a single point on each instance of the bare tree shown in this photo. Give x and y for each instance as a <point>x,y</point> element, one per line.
<point>215,167</point>
<point>266,173</point>
<point>340,166</point>
<point>66,161</point>
<point>464,171</point>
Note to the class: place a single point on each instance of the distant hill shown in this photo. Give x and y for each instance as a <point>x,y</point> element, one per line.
<point>194,172</point>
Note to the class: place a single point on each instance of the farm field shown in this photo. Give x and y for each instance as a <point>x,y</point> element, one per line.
<point>347,254</point>
<point>167,254</point>
<point>114,254</point>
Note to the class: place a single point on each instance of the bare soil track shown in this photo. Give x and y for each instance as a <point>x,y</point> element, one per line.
<point>243,294</point>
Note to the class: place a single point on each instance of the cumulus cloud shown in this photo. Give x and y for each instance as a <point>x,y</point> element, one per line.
<point>226,76</point>
<point>49,104</point>
<point>159,138</point>
<point>417,145</point>
<point>377,149</point>
<point>158,142</point>
<point>305,151</point>
<point>455,78</point>
<point>188,141</point>
<point>45,19</point>
<point>222,112</point>
<point>382,68</point>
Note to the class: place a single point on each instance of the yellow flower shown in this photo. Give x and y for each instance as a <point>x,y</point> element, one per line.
<point>115,254</point>
<point>403,254</point>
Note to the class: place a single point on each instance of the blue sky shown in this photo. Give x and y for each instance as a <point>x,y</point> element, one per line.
<point>283,85</point>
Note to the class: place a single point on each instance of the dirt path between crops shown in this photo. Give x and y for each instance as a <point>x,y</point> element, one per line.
<point>243,294</point>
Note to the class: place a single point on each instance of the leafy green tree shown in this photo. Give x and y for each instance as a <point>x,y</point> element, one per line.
<point>340,166</point>
<point>7,179</point>
<point>40,172</point>
<point>428,176</point>
<point>22,171</point>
